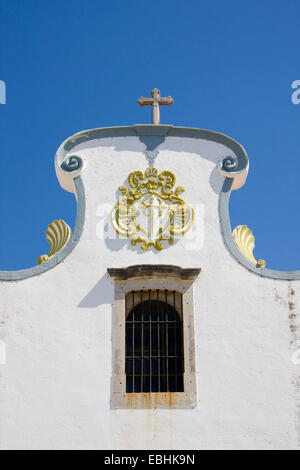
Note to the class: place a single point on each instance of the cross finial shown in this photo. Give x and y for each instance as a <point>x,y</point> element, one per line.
<point>155,102</point>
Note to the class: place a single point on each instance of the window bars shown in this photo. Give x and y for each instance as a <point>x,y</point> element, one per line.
<point>154,342</point>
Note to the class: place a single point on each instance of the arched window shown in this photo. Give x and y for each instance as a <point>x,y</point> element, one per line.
<point>154,342</point>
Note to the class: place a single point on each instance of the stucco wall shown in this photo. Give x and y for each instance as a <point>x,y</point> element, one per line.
<point>55,389</point>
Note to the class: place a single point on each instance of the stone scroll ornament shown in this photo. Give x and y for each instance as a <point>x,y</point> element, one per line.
<point>151,212</point>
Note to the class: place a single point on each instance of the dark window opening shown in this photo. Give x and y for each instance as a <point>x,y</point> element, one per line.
<point>154,344</point>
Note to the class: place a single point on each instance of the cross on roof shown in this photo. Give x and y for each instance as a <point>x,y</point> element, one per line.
<point>155,102</point>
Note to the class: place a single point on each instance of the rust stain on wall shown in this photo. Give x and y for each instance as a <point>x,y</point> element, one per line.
<point>151,400</point>
<point>131,400</point>
<point>292,316</point>
<point>289,302</point>
<point>171,399</point>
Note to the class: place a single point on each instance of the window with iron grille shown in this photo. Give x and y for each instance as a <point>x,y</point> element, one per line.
<point>154,342</point>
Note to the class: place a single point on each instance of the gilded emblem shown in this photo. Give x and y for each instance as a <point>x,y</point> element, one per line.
<point>151,211</point>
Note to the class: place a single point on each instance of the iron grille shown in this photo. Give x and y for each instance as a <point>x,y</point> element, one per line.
<point>154,343</point>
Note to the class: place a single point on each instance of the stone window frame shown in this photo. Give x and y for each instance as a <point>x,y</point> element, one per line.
<point>153,277</point>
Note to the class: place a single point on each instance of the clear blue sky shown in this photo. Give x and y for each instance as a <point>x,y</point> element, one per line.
<point>71,65</point>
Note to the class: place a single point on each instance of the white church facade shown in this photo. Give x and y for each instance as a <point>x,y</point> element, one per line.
<point>151,325</point>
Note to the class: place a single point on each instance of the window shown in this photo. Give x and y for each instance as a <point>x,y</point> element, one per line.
<point>154,343</point>
<point>153,337</point>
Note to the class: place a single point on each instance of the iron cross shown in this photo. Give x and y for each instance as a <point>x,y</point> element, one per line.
<point>155,102</point>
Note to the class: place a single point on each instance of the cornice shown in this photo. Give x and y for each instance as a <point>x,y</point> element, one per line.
<point>154,271</point>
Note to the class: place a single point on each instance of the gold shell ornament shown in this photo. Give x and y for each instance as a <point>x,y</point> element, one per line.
<point>151,211</point>
<point>245,241</point>
<point>58,236</point>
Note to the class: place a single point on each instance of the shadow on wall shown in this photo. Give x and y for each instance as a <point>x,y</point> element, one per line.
<point>131,143</point>
<point>102,293</point>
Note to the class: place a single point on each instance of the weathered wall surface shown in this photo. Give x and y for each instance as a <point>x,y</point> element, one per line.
<point>55,389</point>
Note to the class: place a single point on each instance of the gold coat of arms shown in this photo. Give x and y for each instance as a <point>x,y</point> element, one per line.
<point>150,211</point>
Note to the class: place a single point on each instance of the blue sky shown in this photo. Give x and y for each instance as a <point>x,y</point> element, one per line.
<point>71,65</point>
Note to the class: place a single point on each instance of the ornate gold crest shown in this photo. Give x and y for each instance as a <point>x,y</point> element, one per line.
<point>152,211</point>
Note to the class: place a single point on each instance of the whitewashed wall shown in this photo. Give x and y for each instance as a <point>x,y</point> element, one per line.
<point>55,388</point>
